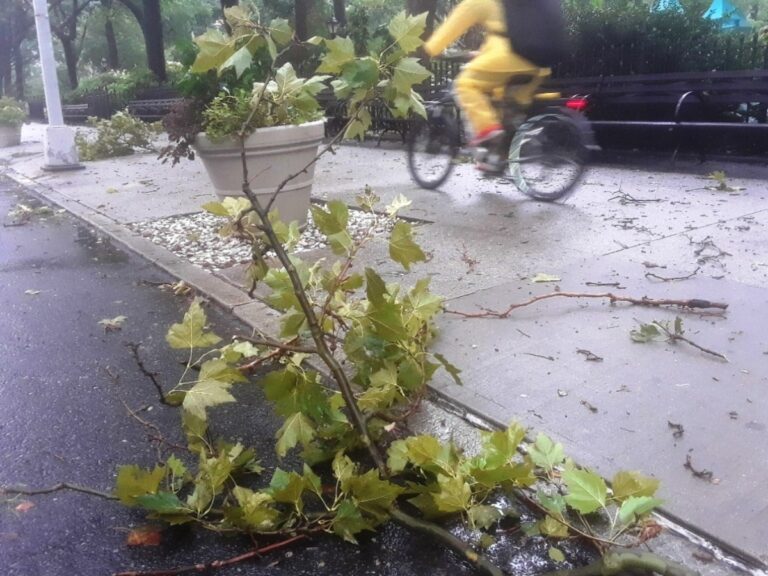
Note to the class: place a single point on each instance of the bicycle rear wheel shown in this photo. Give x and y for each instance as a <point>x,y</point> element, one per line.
<point>432,150</point>
<point>547,157</point>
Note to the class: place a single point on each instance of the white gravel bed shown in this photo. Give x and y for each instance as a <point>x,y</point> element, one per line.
<point>195,237</point>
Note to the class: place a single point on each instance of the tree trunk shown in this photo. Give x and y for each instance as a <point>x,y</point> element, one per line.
<point>300,16</point>
<point>5,58</point>
<point>113,59</point>
<point>152,26</point>
<point>419,6</point>
<point>340,13</point>
<point>70,57</point>
<point>18,65</point>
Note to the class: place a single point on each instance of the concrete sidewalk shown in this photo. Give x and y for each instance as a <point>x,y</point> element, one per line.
<point>623,231</point>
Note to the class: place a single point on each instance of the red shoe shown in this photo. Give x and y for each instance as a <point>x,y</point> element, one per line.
<point>487,134</point>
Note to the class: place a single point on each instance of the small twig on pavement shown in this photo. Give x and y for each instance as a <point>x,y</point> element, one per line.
<point>56,488</point>
<point>149,374</point>
<point>216,564</point>
<point>672,279</point>
<point>644,301</point>
<point>550,358</point>
<point>156,434</point>
<point>590,356</point>
<point>625,199</point>
<point>605,285</point>
<point>703,474</point>
<point>675,337</point>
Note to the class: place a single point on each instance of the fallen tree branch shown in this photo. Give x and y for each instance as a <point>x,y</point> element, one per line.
<point>56,488</point>
<point>459,546</point>
<point>672,279</point>
<point>217,564</point>
<point>615,563</point>
<point>693,303</point>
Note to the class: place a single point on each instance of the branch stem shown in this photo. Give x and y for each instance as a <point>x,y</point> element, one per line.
<point>57,488</point>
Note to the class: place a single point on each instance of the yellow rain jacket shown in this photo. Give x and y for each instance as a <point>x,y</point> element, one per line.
<point>492,68</point>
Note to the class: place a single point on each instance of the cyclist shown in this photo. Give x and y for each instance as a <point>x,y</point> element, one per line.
<point>493,67</point>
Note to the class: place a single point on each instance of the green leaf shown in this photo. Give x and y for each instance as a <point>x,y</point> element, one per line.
<point>340,52</point>
<point>519,475</point>
<point>163,503</point>
<point>204,394</point>
<point>627,483</point>
<point>586,490</point>
<point>556,555</point>
<point>349,521</point>
<point>551,527</point>
<point>387,322</point>
<point>546,454</point>
<point>554,504</point>
<point>240,61</point>
<point>214,49</point>
<point>450,368</point>
<point>382,392</point>
<point>256,509</point>
<point>402,248</point>
<point>408,72</point>
<point>133,482</point>
<point>288,488</point>
<point>397,456</point>
<point>190,333</point>
<point>375,289</point>
<point>484,517</point>
<point>361,73</point>
<point>216,208</point>
<point>500,447</point>
<point>407,30</point>
<point>646,333</point>
<point>455,495</point>
<point>373,495</point>
<point>281,31</point>
<point>635,507</point>
<point>344,469</point>
<point>296,429</point>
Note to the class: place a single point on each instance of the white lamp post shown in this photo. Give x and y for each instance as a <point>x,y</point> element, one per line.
<point>59,143</point>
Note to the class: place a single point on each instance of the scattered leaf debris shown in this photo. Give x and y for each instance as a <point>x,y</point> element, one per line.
<point>702,474</point>
<point>113,324</point>
<point>540,278</point>
<point>24,506</point>
<point>591,407</point>
<point>677,429</point>
<point>589,356</point>
<point>146,536</point>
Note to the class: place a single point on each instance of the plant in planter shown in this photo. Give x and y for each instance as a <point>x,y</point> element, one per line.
<point>278,121</point>
<point>12,116</point>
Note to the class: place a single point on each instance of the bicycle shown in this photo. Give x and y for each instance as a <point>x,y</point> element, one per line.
<point>543,151</point>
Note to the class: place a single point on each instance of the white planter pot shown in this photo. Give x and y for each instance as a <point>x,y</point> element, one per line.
<point>10,136</point>
<point>272,155</point>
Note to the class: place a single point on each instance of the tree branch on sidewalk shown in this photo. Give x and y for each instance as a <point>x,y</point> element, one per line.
<point>692,304</point>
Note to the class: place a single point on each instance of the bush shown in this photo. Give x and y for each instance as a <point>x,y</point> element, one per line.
<point>121,135</point>
<point>627,38</point>
<point>12,112</point>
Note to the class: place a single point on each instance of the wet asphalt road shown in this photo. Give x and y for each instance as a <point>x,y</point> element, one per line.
<point>64,386</point>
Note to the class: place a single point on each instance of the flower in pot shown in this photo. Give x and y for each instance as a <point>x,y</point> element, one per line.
<point>12,116</point>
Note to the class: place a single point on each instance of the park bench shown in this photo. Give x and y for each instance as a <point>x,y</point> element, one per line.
<point>75,113</point>
<point>701,110</point>
<point>152,109</point>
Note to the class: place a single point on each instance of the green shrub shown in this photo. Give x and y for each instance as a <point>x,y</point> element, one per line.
<point>121,135</point>
<point>628,38</point>
<point>12,112</point>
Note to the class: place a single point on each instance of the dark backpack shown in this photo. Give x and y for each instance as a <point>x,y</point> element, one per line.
<point>536,29</point>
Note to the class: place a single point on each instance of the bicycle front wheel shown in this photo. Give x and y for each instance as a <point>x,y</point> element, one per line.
<point>547,157</point>
<point>432,150</point>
